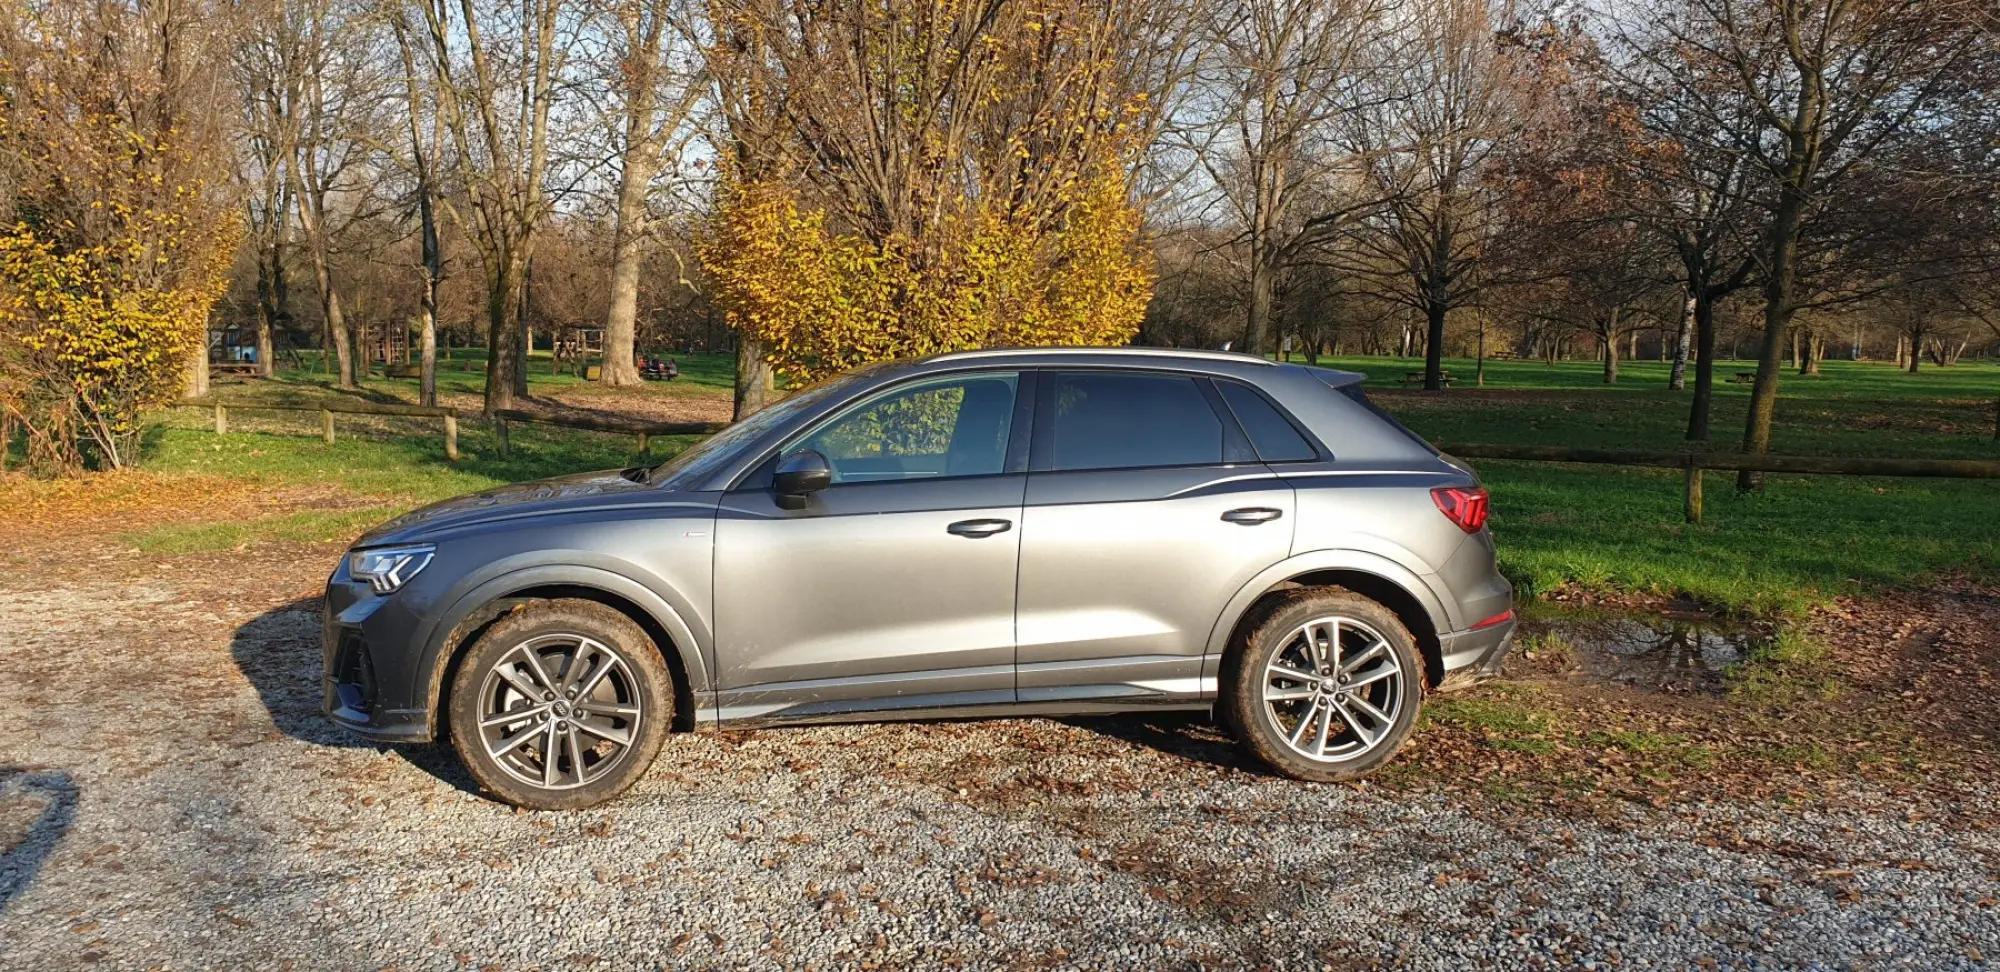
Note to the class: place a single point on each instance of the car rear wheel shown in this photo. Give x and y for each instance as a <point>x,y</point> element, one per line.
<point>1326,685</point>
<point>560,705</point>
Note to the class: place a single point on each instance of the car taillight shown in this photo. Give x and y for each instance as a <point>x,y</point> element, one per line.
<point>1465,507</point>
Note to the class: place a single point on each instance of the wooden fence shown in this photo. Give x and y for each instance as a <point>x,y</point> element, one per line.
<point>1694,463</point>
<point>602,423</point>
<point>327,409</point>
<point>501,419</point>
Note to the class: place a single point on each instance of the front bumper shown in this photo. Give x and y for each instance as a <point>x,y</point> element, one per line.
<point>1475,654</point>
<point>368,678</point>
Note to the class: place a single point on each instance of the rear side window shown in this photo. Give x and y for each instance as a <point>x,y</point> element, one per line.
<point>1271,434</point>
<point>1107,420</point>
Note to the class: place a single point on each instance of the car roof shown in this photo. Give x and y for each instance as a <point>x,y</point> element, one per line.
<point>1219,362</point>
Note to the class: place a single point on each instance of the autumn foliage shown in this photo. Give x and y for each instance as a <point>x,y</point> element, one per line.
<point>996,206</point>
<point>116,236</point>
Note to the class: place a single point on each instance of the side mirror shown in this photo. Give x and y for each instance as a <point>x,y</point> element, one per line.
<point>798,476</point>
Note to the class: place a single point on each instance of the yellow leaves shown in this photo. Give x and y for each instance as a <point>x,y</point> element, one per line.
<point>825,301</point>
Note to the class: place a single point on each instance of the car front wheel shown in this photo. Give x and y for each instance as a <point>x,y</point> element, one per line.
<point>560,705</point>
<point>1326,686</point>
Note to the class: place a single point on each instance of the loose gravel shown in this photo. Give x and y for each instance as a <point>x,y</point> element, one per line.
<point>170,798</point>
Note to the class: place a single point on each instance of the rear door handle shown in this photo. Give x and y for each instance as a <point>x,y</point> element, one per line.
<point>979,528</point>
<point>1252,515</point>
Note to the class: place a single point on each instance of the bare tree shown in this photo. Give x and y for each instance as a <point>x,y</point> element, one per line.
<point>1831,84</point>
<point>419,108</point>
<point>496,70</point>
<point>1463,85</point>
<point>658,89</point>
<point>331,74</point>
<point>1276,75</point>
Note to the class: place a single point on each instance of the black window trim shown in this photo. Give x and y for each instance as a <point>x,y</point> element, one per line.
<point>1320,452</point>
<point>1041,458</point>
<point>760,474</point>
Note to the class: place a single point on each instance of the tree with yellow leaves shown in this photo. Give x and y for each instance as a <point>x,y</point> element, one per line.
<point>903,179</point>
<point>115,235</point>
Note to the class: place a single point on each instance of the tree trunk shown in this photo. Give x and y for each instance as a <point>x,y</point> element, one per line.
<point>1257,322</point>
<point>621,323</point>
<point>1677,377</point>
<point>1704,368</point>
<point>1815,349</point>
<point>1611,353</point>
<point>337,332</point>
<point>1479,369</point>
<point>753,378</point>
<point>196,371</point>
<point>504,370</point>
<point>1434,313</point>
<point>1778,285</point>
<point>1797,362</point>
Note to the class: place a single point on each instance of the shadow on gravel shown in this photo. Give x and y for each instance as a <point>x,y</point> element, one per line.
<point>28,836</point>
<point>279,653</point>
<point>1187,735</point>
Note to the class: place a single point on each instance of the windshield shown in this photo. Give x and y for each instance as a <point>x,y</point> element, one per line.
<point>705,457</point>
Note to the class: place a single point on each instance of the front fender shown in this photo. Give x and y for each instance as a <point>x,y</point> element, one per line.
<point>502,580</point>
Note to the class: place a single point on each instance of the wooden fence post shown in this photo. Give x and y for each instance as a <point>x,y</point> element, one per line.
<point>1693,505</point>
<point>500,429</point>
<point>221,419</point>
<point>451,436</point>
<point>326,424</point>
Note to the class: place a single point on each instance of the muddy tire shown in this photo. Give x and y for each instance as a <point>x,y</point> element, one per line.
<point>1325,685</point>
<point>560,705</point>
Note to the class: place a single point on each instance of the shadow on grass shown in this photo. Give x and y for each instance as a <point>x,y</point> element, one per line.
<point>23,859</point>
<point>278,651</point>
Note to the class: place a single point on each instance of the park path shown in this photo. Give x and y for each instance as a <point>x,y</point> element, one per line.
<point>170,798</point>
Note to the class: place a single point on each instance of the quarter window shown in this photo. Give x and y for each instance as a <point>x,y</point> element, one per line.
<point>1271,434</point>
<point>1109,420</point>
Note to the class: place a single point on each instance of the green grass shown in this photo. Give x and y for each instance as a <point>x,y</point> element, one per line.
<point>1505,716</point>
<point>1796,544</point>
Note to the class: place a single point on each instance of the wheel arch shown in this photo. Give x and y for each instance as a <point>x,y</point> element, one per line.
<point>1401,590</point>
<point>479,608</point>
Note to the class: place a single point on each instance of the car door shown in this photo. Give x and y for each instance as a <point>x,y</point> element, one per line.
<point>1145,511</point>
<point>894,587</point>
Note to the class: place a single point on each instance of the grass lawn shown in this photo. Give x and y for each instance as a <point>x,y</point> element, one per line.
<point>1798,543</point>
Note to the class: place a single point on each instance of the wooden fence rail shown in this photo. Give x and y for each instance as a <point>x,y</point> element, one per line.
<point>602,423</point>
<point>328,408</point>
<point>1694,463</point>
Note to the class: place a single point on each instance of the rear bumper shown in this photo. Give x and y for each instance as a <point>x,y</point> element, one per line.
<point>1475,654</point>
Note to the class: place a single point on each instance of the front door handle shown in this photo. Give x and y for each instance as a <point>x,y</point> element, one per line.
<point>979,528</point>
<point>1252,515</point>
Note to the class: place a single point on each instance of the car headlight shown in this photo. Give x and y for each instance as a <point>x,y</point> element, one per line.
<point>388,568</point>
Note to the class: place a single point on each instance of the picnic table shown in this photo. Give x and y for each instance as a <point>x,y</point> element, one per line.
<point>1417,378</point>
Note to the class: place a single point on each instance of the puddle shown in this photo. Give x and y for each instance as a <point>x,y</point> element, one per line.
<point>1658,652</point>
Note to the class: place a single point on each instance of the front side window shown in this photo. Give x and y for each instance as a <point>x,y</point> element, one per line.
<point>1109,420</point>
<point>955,426</point>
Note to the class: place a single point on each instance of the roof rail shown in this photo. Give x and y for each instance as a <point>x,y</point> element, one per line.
<point>1235,356</point>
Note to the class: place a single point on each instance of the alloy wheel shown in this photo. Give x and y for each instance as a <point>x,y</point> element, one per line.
<point>1334,689</point>
<point>559,711</point>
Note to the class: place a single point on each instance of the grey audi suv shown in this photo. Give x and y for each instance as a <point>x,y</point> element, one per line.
<point>989,533</point>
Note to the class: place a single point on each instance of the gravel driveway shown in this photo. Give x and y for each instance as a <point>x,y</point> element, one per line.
<point>170,798</point>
